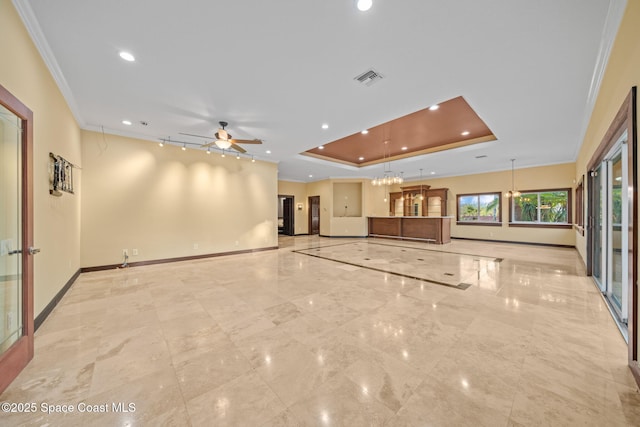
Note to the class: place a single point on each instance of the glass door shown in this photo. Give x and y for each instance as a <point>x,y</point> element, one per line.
<point>16,237</point>
<point>10,229</point>
<point>610,224</point>
<point>617,290</point>
<point>597,230</point>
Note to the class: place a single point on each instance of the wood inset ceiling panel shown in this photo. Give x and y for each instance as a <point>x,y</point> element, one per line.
<point>421,132</point>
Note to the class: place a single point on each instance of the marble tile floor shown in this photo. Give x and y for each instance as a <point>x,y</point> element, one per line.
<point>280,338</point>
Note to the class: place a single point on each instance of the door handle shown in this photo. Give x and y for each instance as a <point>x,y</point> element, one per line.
<point>33,251</point>
<point>15,252</point>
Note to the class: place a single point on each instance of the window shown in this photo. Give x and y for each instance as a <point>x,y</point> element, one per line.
<point>579,220</point>
<point>541,208</point>
<point>480,209</point>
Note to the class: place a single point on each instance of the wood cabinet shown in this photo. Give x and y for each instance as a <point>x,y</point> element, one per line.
<point>419,201</point>
<point>431,229</point>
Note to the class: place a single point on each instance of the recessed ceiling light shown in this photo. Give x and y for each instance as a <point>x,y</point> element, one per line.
<point>404,148</point>
<point>434,107</point>
<point>433,173</point>
<point>325,126</point>
<point>268,151</point>
<point>361,158</point>
<point>127,56</point>
<point>364,132</point>
<point>465,133</point>
<point>364,5</point>
<point>126,122</point>
<point>321,147</point>
<point>310,176</point>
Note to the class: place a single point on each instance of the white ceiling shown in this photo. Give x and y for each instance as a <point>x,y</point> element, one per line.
<point>277,70</point>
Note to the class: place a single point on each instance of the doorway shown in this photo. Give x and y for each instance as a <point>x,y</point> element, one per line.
<point>612,227</point>
<point>286,223</point>
<point>610,269</point>
<point>16,235</point>
<point>314,215</point>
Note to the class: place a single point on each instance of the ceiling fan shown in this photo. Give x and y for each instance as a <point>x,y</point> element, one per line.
<point>224,141</point>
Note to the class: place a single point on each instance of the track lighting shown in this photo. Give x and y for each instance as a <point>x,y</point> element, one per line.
<point>208,150</point>
<point>184,147</point>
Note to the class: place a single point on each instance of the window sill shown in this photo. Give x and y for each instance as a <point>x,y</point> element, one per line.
<point>485,224</point>
<point>539,225</point>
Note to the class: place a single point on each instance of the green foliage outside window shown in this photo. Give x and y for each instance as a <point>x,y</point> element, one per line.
<point>549,207</point>
<point>479,208</point>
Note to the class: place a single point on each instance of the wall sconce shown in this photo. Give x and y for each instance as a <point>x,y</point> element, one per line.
<point>299,206</point>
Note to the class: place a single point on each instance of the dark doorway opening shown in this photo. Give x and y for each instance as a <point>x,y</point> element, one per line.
<point>314,215</point>
<point>286,224</point>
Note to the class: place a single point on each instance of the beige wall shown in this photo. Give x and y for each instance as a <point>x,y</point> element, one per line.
<point>347,199</point>
<point>539,178</point>
<point>56,219</point>
<point>299,192</point>
<point>169,203</point>
<point>622,73</point>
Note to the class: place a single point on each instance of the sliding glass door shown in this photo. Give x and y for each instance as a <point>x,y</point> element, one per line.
<point>610,224</point>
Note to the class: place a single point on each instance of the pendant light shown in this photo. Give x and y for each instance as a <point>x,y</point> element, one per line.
<point>513,192</point>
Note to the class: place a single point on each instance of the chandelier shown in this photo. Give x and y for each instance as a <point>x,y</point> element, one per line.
<point>388,177</point>
<point>513,192</point>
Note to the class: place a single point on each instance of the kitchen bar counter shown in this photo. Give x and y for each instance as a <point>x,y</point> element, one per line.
<point>435,229</point>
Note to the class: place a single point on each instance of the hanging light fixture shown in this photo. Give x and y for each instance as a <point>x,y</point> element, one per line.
<point>388,177</point>
<point>513,192</point>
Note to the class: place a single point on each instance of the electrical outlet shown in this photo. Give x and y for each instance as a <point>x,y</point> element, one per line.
<point>125,252</point>
<point>134,252</point>
<point>237,243</point>
<point>195,246</point>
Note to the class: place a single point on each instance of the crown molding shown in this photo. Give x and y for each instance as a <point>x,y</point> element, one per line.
<point>609,32</point>
<point>37,36</point>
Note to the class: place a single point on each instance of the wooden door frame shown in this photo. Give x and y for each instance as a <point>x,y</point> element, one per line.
<point>20,353</point>
<point>625,120</point>
<point>309,229</point>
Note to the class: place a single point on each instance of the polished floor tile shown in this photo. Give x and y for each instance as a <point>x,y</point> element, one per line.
<point>328,332</point>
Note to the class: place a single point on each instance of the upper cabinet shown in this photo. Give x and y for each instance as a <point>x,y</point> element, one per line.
<point>418,201</point>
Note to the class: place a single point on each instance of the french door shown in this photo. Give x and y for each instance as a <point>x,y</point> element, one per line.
<point>16,238</point>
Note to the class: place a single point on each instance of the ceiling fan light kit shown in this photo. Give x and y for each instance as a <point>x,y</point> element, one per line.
<point>223,140</point>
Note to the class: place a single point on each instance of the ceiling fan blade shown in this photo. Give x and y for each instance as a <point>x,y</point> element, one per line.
<point>238,148</point>
<point>208,144</point>
<point>246,141</point>
<point>198,136</point>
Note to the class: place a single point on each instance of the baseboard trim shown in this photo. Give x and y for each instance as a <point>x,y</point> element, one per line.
<point>343,237</point>
<point>555,245</point>
<point>177,259</point>
<point>56,299</point>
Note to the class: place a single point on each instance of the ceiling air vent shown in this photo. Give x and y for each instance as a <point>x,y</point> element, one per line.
<point>369,77</point>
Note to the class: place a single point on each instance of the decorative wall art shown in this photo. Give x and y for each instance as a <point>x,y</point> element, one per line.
<point>60,175</point>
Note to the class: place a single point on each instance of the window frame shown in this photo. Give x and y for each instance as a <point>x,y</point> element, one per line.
<point>568,224</point>
<point>579,202</point>
<point>497,223</point>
